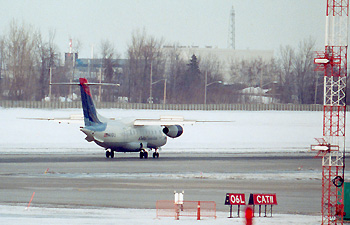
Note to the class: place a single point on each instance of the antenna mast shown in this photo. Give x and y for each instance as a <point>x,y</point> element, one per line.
<point>232,30</point>
<point>333,61</point>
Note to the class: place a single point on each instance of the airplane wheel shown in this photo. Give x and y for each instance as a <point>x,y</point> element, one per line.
<point>108,154</point>
<point>155,155</point>
<point>112,154</point>
<point>141,155</point>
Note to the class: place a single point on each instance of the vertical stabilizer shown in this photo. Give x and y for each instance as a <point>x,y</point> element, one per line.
<point>90,115</point>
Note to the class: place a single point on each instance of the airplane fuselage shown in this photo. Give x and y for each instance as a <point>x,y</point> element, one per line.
<point>125,137</point>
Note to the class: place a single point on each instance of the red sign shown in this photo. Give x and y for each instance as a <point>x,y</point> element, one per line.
<point>265,199</point>
<point>236,199</point>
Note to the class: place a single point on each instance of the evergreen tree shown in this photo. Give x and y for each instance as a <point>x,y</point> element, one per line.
<point>192,75</point>
<point>190,83</point>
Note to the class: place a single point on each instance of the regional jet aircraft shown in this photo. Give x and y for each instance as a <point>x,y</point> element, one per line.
<point>126,135</point>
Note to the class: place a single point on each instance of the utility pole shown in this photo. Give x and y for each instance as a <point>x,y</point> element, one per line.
<point>50,88</point>
<point>150,88</point>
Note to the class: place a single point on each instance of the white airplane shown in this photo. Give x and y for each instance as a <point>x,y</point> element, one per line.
<point>127,135</point>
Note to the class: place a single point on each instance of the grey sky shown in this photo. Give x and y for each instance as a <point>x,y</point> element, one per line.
<point>260,24</point>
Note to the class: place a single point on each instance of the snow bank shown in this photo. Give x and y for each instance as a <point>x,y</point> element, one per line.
<point>35,215</point>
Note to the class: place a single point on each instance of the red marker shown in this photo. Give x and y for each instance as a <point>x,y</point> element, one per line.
<point>249,216</point>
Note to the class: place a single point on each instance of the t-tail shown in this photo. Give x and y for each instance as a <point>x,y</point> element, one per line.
<point>90,115</point>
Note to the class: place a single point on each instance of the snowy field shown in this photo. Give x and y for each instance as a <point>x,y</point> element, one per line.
<point>249,132</point>
<point>19,215</point>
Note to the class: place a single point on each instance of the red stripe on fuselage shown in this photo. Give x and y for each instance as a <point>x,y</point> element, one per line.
<point>83,83</point>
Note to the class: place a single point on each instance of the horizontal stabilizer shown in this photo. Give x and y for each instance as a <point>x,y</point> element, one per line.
<point>102,84</point>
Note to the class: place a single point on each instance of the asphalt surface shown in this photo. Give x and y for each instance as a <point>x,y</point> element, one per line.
<point>91,180</point>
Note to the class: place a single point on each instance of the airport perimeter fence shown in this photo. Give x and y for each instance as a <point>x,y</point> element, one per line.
<point>204,107</point>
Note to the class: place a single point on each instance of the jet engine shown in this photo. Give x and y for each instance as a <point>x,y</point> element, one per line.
<point>173,131</point>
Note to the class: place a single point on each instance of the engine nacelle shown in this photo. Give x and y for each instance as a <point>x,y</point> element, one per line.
<point>173,131</point>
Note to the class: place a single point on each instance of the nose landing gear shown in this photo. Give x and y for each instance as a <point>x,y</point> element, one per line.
<point>155,155</point>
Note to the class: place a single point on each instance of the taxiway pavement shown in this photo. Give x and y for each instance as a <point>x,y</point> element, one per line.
<point>84,180</point>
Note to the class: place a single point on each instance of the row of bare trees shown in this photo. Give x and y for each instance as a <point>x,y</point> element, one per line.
<point>25,59</point>
<point>291,75</point>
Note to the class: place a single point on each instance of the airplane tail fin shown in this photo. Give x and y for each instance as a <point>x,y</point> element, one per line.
<point>90,114</point>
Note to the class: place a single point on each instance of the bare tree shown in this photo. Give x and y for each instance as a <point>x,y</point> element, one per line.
<point>21,61</point>
<point>144,58</point>
<point>211,68</point>
<point>3,78</point>
<point>286,78</point>
<point>175,67</point>
<point>48,57</point>
<point>304,71</point>
<point>109,69</point>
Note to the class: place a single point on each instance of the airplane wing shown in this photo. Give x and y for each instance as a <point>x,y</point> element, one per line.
<point>164,121</point>
<point>172,120</point>
<point>74,118</point>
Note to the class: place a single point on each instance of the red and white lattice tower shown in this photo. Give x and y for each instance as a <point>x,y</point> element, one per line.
<point>333,61</point>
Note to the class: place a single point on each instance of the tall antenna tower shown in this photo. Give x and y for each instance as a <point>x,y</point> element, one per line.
<point>232,30</point>
<point>333,61</point>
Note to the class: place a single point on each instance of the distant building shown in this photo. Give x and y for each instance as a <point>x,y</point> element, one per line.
<point>225,56</point>
<point>91,68</point>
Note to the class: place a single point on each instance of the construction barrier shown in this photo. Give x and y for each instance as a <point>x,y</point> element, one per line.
<point>198,209</point>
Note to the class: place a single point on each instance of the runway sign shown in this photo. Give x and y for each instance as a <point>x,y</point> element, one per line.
<point>235,199</point>
<point>262,199</point>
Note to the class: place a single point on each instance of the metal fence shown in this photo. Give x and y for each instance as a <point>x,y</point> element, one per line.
<point>209,107</point>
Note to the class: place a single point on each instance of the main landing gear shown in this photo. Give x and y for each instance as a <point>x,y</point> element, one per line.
<point>144,154</point>
<point>109,153</point>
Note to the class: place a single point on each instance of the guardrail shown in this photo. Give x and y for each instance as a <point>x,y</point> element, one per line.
<point>209,107</point>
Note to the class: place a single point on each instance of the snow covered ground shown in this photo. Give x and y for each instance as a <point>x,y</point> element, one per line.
<point>33,215</point>
<point>258,131</point>
<point>249,132</point>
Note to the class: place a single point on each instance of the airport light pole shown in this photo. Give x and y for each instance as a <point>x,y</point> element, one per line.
<point>164,98</point>
<point>150,100</point>
<point>206,85</point>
